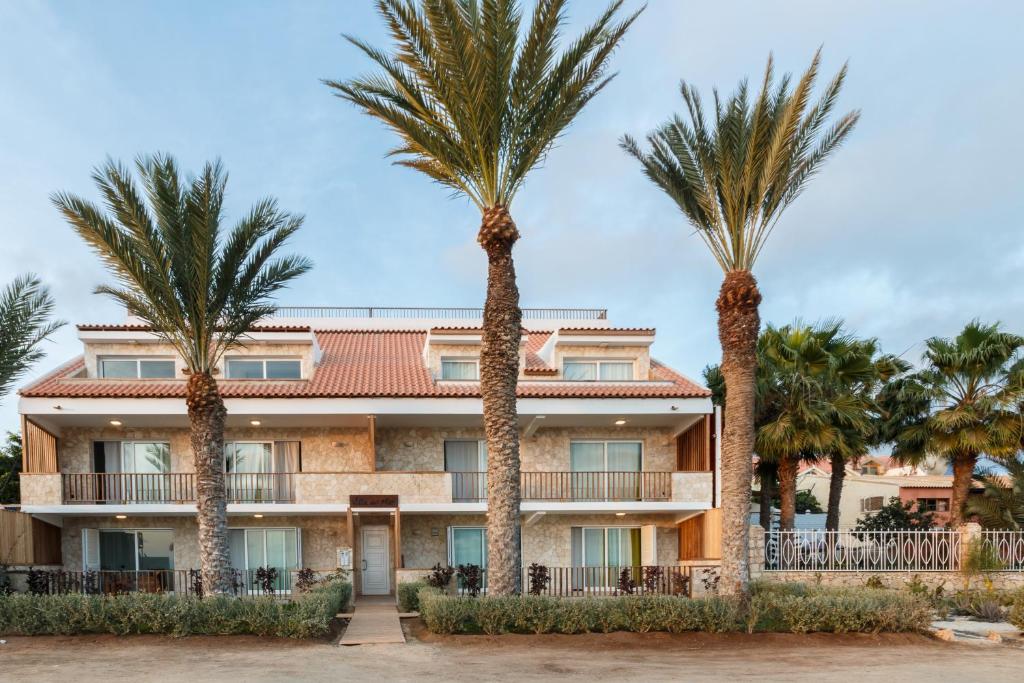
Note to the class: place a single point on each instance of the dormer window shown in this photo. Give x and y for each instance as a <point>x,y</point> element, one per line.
<point>595,370</point>
<point>460,369</point>
<point>136,368</point>
<point>264,368</point>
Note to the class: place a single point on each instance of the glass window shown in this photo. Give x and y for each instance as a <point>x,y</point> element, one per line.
<point>606,546</point>
<point>245,369</point>
<point>148,457</point>
<point>135,368</point>
<point>579,372</point>
<point>251,549</point>
<point>136,549</point>
<point>156,369</point>
<point>616,372</point>
<point>604,370</point>
<point>468,546</point>
<point>284,369</point>
<point>253,457</point>
<point>459,370</point>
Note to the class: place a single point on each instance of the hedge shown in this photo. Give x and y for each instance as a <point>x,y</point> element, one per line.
<point>1016,613</point>
<point>408,596</point>
<point>802,611</point>
<point>307,616</point>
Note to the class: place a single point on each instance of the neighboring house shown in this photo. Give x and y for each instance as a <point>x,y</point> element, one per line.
<point>354,436</point>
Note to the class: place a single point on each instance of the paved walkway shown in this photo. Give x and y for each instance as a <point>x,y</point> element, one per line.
<point>375,621</point>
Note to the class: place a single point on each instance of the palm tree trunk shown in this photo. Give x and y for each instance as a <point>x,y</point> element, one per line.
<point>768,474</point>
<point>835,491</point>
<point>787,491</point>
<point>206,415</point>
<point>499,374</point>
<point>738,325</point>
<point>963,473</point>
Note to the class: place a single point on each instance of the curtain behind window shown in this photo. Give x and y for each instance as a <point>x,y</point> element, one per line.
<point>287,458</point>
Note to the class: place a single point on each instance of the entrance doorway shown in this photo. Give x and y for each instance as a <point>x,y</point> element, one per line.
<point>376,561</point>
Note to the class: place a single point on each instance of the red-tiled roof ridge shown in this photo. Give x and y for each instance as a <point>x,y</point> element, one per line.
<point>359,364</point>
<point>133,327</point>
<point>611,331</point>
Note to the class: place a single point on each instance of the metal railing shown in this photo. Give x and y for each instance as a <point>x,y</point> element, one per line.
<point>244,582</point>
<point>568,582</point>
<point>124,488</point>
<point>1007,546</point>
<point>453,313</point>
<point>571,486</point>
<point>862,551</point>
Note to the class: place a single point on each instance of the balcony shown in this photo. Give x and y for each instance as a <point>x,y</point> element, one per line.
<point>572,486</point>
<point>172,488</point>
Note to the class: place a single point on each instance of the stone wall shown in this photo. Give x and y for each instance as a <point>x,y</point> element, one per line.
<point>949,581</point>
<point>320,536</point>
<point>324,449</point>
<point>410,487</point>
<point>692,487</point>
<point>40,489</point>
<point>422,449</point>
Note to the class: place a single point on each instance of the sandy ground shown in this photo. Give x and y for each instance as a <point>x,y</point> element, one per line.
<point>611,657</point>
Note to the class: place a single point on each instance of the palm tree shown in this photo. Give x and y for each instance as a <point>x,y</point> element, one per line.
<point>972,385</point>
<point>1001,503</point>
<point>25,310</point>
<point>476,108</point>
<point>199,287</point>
<point>732,180</point>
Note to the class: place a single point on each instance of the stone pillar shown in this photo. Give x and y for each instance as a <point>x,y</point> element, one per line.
<point>969,534</point>
<point>756,551</point>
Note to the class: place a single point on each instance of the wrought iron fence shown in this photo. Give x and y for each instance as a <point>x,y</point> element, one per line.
<point>862,551</point>
<point>1007,546</point>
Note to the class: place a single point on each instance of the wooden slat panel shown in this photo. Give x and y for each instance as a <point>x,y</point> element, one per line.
<point>39,452</point>
<point>712,534</point>
<point>691,538</point>
<point>693,447</point>
<point>15,538</point>
<point>45,543</point>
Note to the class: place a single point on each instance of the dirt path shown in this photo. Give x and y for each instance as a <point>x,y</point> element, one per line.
<point>611,657</point>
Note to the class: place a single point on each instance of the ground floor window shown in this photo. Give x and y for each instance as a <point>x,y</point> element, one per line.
<point>933,504</point>
<point>599,554</point>
<point>468,545</point>
<point>251,549</point>
<point>129,559</point>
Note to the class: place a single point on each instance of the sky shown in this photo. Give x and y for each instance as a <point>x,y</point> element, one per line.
<point>912,228</point>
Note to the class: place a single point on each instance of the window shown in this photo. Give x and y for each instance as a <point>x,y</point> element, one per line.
<point>468,545</point>
<point>872,504</point>
<point>251,549</point>
<point>590,461</point>
<point>252,467</point>
<point>467,460</point>
<point>146,460</point>
<point>460,369</point>
<point>136,368</point>
<point>592,371</point>
<point>869,469</point>
<point>263,368</point>
<point>598,553</point>
<point>120,553</point>
<point>933,504</point>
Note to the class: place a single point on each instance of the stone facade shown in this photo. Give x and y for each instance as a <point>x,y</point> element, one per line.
<point>40,489</point>
<point>321,536</point>
<point>692,487</point>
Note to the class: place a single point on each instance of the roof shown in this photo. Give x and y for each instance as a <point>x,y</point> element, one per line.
<point>146,328</point>
<point>368,364</point>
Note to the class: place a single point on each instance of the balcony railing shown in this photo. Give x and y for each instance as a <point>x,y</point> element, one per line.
<point>572,486</point>
<point>173,487</point>
<point>244,582</point>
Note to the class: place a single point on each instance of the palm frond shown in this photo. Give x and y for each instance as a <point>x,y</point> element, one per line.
<point>26,310</point>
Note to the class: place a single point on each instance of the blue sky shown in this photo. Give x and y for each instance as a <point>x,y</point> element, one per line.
<point>912,229</point>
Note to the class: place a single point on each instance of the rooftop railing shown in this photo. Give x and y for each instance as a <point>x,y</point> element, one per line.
<point>391,313</point>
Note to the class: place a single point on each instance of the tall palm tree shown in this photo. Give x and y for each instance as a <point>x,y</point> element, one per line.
<point>732,180</point>
<point>477,106</point>
<point>199,286</point>
<point>972,385</point>
<point>26,308</point>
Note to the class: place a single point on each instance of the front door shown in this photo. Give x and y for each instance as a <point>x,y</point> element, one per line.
<point>376,558</point>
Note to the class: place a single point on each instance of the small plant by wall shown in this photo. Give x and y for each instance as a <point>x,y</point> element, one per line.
<point>539,578</point>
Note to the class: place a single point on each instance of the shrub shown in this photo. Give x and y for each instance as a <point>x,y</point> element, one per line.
<point>440,577</point>
<point>471,578</point>
<point>626,584</point>
<point>408,595</point>
<point>1016,614</point>
<point>308,616</point>
<point>773,607</point>
<point>540,578</point>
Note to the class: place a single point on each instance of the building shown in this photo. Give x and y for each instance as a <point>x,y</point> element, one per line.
<point>354,437</point>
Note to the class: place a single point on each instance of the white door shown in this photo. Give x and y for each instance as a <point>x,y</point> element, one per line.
<point>376,556</point>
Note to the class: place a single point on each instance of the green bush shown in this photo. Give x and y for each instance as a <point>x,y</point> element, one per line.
<point>1016,613</point>
<point>408,595</point>
<point>772,607</point>
<point>308,616</point>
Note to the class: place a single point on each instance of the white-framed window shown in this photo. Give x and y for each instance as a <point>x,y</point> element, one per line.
<point>460,369</point>
<point>261,457</point>
<point>616,546</point>
<point>251,548</point>
<point>139,457</point>
<point>128,550</point>
<point>122,367</point>
<point>467,545</point>
<point>578,370</point>
<point>467,461</point>
<point>606,470</point>
<point>245,367</point>
<point>872,503</point>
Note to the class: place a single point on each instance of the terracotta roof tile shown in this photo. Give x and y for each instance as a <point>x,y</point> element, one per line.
<point>362,364</point>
